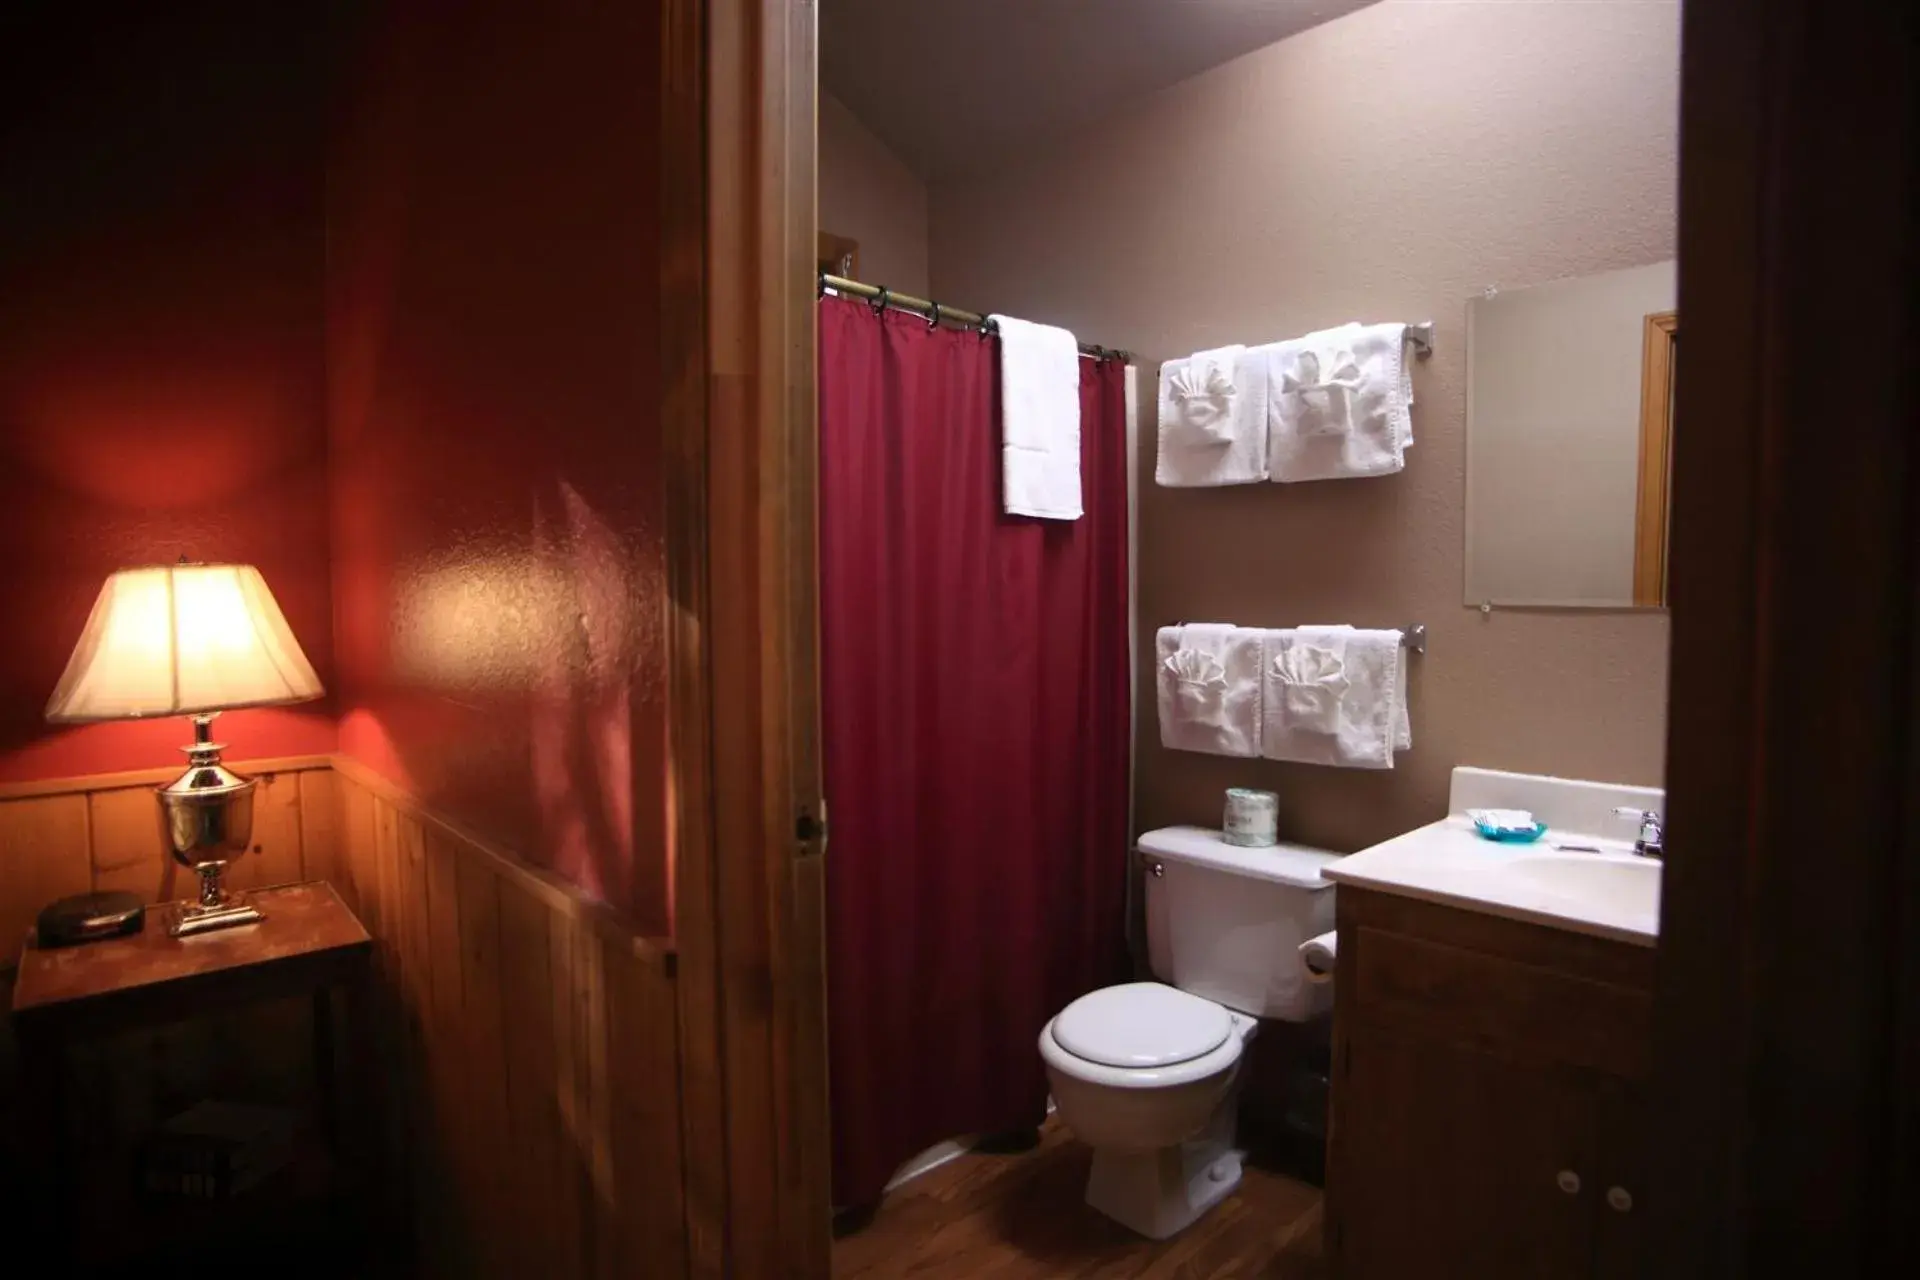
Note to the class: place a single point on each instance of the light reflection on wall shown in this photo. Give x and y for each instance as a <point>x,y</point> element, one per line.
<point>493,316</point>
<point>554,628</point>
<point>478,625</point>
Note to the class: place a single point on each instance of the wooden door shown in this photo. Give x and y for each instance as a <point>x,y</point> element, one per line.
<point>1449,1163</point>
<point>1782,1138</point>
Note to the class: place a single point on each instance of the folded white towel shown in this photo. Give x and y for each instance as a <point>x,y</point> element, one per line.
<point>1200,391</point>
<point>1040,419</point>
<point>1189,456</point>
<point>1334,696</point>
<point>1309,675</point>
<point>1339,404</point>
<point>1209,687</point>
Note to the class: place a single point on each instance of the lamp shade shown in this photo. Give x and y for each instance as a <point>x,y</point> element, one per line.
<point>182,639</point>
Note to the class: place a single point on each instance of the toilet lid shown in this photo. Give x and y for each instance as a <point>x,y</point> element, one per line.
<point>1141,1024</point>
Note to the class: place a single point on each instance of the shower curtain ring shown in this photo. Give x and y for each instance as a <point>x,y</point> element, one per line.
<point>933,319</point>
<point>879,301</point>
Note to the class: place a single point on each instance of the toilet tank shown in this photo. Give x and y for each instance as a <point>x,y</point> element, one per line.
<point>1226,922</point>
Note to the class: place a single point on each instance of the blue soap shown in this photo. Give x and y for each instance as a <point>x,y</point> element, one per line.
<point>1511,835</point>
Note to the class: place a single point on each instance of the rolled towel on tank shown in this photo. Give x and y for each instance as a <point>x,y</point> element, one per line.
<point>1317,954</point>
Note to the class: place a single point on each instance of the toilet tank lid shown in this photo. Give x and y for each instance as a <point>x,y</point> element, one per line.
<point>1289,864</point>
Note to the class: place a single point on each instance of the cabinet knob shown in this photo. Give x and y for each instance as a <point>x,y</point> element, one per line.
<point>1568,1181</point>
<point>1619,1199</point>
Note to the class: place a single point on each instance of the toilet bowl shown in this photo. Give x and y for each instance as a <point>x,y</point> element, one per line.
<point>1148,1076</point>
<point>1148,1073</point>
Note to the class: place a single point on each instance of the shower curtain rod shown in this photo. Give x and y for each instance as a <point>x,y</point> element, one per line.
<point>938,311</point>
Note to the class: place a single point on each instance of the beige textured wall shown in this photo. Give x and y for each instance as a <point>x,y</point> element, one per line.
<point>867,193</point>
<point>1386,165</point>
<point>1553,436</point>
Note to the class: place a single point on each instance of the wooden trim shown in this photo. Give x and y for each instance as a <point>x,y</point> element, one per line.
<point>743,1037</point>
<point>757,909</point>
<point>542,885</point>
<point>685,411</point>
<point>1656,458</point>
<point>152,777</point>
<point>1783,1135</point>
<point>806,1205</point>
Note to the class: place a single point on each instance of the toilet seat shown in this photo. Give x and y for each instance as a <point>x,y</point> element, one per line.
<point>1141,1024</point>
<point>1109,1032</point>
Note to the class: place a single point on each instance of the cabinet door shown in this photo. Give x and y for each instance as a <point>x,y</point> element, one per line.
<point>1447,1162</point>
<point>1622,1137</point>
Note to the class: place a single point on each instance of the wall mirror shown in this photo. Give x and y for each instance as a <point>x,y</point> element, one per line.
<point>1569,437</point>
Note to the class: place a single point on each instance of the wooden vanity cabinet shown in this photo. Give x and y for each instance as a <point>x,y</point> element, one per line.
<point>1486,1118</point>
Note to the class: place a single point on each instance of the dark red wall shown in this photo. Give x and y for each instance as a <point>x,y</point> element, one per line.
<point>161,339</point>
<point>493,402</point>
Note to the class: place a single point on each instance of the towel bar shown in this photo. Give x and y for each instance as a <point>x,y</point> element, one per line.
<point>1413,637</point>
<point>1420,336</point>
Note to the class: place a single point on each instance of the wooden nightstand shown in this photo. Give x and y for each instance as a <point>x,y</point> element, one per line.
<point>308,944</point>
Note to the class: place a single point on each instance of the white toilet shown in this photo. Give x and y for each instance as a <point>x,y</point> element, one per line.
<point>1147,1073</point>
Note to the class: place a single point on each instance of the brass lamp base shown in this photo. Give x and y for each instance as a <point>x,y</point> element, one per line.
<point>207,813</point>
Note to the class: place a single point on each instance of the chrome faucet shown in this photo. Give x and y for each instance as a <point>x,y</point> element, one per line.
<point>1652,841</point>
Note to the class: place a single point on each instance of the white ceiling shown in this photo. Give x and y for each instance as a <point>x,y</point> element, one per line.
<point>952,85</point>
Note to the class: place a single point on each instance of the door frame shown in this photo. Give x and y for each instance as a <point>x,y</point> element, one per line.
<point>747,815</point>
<point>1775,1082</point>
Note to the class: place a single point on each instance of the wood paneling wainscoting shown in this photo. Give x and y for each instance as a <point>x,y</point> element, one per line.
<point>536,1047</point>
<point>71,835</point>
<point>530,1039</point>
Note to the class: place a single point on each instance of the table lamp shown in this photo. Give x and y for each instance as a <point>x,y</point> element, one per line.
<point>189,640</point>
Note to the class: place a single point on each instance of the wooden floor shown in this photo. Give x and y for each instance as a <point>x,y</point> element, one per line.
<point>1014,1216</point>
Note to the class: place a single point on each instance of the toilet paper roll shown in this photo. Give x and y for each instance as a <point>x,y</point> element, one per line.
<point>1252,818</point>
<point>1317,955</point>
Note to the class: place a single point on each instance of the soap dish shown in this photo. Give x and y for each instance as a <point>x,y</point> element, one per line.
<point>1511,835</point>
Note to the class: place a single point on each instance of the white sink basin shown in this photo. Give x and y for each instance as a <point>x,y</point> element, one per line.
<point>1627,884</point>
<point>1609,894</point>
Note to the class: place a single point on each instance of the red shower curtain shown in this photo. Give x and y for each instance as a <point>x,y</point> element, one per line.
<point>975,706</point>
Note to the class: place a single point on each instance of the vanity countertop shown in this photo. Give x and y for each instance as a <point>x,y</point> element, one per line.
<point>1610,894</point>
